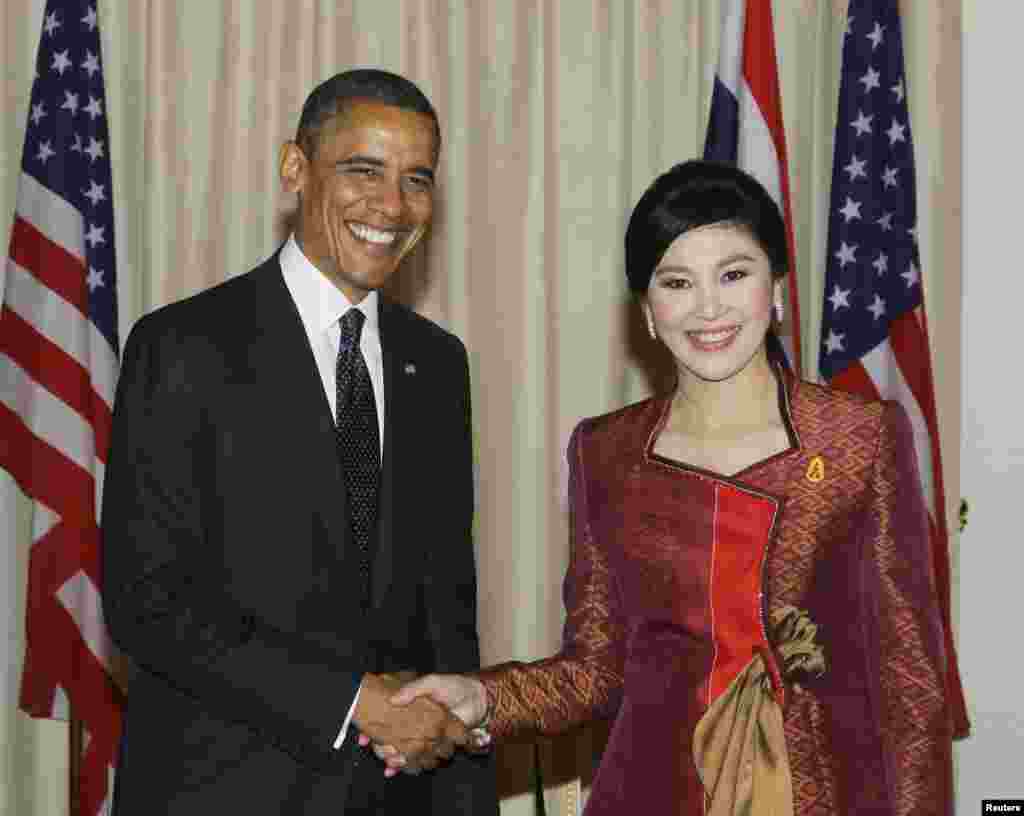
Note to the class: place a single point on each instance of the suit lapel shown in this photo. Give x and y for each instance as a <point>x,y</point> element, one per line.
<point>399,388</point>
<point>280,349</point>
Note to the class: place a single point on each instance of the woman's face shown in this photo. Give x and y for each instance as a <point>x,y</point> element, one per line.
<point>710,300</point>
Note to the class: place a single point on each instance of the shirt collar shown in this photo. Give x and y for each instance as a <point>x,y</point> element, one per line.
<point>320,303</point>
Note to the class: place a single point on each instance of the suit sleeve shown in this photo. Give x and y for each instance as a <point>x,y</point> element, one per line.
<point>584,681</point>
<point>467,785</point>
<point>161,606</point>
<point>916,720</point>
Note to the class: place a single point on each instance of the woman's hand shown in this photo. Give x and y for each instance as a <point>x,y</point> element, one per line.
<point>464,696</point>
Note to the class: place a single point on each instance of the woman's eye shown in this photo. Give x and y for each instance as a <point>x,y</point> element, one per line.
<point>676,283</point>
<point>735,274</point>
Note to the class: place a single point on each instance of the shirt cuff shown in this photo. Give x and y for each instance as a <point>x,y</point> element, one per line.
<point>344,728</point>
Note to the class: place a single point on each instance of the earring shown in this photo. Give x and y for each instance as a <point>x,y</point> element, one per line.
<point>650,328</point>
<point>780,311</point>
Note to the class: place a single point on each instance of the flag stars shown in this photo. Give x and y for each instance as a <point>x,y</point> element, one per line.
<point>899,90</point>
<point>94,236</point>
<point>839,298</point>
<point>91,64</point>
<point>38,113</point>
<point>889,175</point>
<point>45,152</point>
<point>90,18</point>
<point>77,146</point>
<point>95,193</point>
<point>885,222</point>
<point>896,133</point>
<point>70,102</point>
<point>912,232</point>
<point>94,150</point>
<point>877,308</point>
<point>847,253</point>
<point>911,276</point>
<point>95,279</point>
<point>61,63</point>
<point>855,168</point>
<point>862,124</point>
<point>52,23</point>
<point>94,108</point>
<point>850,210</point>
<point>870,79</point>
<point>881,263</point>
<point>834,342</point>
<point>876,36</point>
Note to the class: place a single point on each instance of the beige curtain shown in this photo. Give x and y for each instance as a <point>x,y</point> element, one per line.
<point>556,115</point>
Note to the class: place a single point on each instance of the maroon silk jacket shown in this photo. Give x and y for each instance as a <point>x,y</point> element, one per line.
<point>674,573</point>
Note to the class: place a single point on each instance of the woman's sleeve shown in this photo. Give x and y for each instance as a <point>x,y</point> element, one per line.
<point>584,680</point>
<point>916,720</point>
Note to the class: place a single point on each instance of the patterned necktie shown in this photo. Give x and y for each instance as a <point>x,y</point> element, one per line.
<point>358,441</point>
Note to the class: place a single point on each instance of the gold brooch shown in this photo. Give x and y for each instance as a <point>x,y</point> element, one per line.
<point>816,470</point>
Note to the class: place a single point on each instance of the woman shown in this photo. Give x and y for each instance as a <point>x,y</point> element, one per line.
<point>750,593</point>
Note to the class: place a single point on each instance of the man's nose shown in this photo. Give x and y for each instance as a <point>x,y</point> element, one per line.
<point>388,198</point>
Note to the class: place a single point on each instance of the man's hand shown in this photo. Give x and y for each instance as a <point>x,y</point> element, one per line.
<point>465,697</point>
<point>422,731</point>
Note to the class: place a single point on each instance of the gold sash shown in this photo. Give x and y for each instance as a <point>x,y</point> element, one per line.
<point>739,744</point>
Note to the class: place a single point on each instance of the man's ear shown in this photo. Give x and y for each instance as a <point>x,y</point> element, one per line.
<point>292,167</point>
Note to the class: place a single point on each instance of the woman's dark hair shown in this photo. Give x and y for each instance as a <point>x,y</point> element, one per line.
<point>332,96</point>
<point>695,194</point>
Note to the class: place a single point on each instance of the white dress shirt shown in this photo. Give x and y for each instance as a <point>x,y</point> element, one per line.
<point>321,305</point>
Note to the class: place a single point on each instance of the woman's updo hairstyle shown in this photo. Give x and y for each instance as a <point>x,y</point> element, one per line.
<point>695,194</point>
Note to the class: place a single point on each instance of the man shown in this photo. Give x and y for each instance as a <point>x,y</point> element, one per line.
<point>288,504</point>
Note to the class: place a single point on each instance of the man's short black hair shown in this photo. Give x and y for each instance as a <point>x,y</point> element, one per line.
<point>332,96</point>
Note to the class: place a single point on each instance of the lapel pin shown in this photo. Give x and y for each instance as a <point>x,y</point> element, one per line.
<point>816,470</point>
<point>410,368</point>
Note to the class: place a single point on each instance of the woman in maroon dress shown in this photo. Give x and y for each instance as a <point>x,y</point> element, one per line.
<point>750,593</point>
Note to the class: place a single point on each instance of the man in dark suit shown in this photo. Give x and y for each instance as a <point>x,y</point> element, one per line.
<point>288,503</point>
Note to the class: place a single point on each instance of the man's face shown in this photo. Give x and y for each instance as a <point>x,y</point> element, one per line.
<point>366,196</point>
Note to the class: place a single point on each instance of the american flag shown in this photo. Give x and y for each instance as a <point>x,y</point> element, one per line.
<point>874,332</point>
<point>746,127</point>
<point>58,366</point>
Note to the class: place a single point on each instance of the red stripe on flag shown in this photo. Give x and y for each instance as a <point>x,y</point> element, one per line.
<point>60,374</point>
<point>761,72</point>
<point>855,378</point>
<point>50,263</point>
<point>43,472</point>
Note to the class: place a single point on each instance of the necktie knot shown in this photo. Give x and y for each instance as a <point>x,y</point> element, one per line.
<point>351,324</point>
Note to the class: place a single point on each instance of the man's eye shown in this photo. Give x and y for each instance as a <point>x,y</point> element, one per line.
<point>361,171</point>
<point>419,183</point>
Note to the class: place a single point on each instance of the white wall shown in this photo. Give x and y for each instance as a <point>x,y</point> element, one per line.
<point>991,568</point>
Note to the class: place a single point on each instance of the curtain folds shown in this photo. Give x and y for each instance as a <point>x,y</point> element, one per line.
<point>555,117</point>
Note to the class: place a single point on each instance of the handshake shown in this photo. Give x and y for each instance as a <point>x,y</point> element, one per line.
<point>414,725</point>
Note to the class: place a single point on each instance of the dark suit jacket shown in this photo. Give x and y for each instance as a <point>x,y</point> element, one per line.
<point>229,578</point>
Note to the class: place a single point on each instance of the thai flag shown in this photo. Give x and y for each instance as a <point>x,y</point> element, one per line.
<point>746,127</point>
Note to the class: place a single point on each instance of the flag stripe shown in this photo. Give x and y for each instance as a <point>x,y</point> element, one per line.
<point>51,372</point>
<point>57,221</point>
<point>82,600</point>
<point>50,263</point>
<point>886,373</point>
<point>49,476</point>
<point>48,417</point>
<point>61,323</point>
